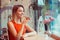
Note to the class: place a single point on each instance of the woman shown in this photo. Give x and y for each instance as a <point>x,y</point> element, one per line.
<point>17,27</point>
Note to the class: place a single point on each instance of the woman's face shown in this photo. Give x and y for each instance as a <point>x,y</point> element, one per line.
<point>19,12</point>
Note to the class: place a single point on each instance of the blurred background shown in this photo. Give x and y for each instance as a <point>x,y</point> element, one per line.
<point>38,10</point>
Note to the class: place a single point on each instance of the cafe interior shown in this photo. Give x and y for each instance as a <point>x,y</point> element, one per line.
<point>44,18</point>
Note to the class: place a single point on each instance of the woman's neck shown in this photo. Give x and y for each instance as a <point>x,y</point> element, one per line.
<point>17,20</point>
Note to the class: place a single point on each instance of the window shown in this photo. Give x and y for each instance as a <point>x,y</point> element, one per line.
<point>41,2</point>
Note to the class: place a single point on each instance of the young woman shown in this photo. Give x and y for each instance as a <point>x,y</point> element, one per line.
<point>17,27</point>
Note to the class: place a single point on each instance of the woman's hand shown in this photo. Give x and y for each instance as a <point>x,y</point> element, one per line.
<point>25,20</point>
<point>29,34</point>
<point>25,35</point>
<point>20,38</point>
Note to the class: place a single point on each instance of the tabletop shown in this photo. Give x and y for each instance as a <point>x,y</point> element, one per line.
<point>38,37</point>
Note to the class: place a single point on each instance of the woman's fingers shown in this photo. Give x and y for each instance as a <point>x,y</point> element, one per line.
<point>21,38</point>
<point>25,20</point>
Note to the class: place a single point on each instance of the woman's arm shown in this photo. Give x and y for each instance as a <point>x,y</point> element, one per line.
<point>31,32</point>
<point>29,29</point>
<point>13,31</point>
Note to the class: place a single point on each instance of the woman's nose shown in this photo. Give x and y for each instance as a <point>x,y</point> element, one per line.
<point>22,13</point>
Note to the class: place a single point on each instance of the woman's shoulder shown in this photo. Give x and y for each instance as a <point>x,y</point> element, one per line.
<point>10,25</point>
<point>9,22</point>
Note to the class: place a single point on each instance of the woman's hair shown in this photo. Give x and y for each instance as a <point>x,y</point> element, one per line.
<point>15,7</point>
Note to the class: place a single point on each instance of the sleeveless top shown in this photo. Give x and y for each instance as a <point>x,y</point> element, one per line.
<point>18,28</point>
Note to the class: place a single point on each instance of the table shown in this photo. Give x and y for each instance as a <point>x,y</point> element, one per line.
<point>37,37</point>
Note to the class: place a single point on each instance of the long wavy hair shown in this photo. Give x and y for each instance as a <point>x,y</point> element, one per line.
<point>15,8</point>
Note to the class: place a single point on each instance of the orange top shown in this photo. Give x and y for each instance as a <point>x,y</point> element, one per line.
<point>18,27</point>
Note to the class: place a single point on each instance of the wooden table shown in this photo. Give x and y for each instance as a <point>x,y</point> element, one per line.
<point>36,37</point>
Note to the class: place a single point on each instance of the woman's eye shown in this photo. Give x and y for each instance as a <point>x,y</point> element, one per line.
<point>20,10</point>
